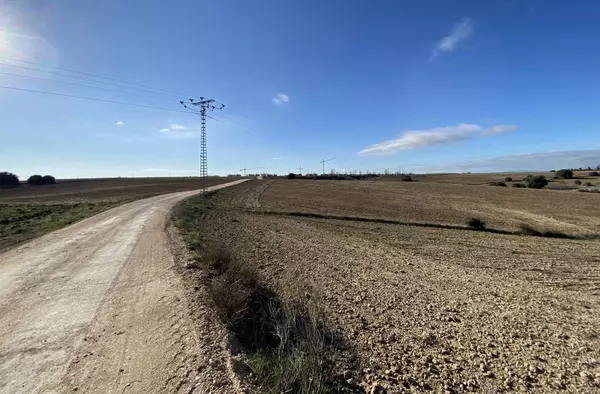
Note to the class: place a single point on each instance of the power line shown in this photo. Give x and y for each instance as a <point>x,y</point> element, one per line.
<point>91,75</point>
<point>253,168</point>
<point>82,78</point>
<point>235,123</point>
<point>325,161</point>
<point>240,123</point>
<point>78,84</point>
<point>93,99</point>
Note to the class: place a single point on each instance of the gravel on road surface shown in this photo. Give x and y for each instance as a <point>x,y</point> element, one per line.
<point>97,307</point>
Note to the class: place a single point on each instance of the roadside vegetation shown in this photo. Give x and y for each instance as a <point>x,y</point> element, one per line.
<point>27,212</point>
<point>288,346</point>
<point>22,222</point>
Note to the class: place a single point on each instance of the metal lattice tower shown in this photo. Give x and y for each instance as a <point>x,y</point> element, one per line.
<point>204,104</point>
<point>325,161</point>
<point>203,153</point>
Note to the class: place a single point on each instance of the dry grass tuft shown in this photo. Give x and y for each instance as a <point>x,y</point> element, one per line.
<point>289,347</point>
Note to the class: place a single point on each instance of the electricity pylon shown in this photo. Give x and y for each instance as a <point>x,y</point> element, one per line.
<point>246,169</point>
<point>204,104</point>
<point>325,161</point>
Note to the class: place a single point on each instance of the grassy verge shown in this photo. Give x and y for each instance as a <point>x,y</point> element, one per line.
<point>288,346</point>
<point>22,222</point>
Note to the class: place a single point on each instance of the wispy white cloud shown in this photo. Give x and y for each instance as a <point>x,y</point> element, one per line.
<point>277,158</point>
<point>174,127</point>
<point>175,130</point>
<point>537,161</point>
<point>415,139</point>
<point>459,33</point>
<point>119,123</point>
<point>281,99</point>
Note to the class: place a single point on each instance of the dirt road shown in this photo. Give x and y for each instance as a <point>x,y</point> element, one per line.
<point>97,307</point>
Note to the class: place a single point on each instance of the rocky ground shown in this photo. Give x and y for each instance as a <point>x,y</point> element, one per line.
<point>433,309</point>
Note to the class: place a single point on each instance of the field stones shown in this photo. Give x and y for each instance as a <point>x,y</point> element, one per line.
<point>463,314</point>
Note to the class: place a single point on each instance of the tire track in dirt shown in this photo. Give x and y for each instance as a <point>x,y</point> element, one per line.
<point>249,195</point>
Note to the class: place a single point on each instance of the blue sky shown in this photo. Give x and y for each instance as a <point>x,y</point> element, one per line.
<point>425,85</point>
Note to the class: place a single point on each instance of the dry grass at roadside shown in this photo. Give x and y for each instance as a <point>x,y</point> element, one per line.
<point>289,347</point>
<point>27,212</point>
<point>95,190</point>
<point>19,223</point>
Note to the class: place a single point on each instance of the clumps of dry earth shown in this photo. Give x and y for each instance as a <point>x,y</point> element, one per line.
<point>279,339</point>
<point>430,309</point>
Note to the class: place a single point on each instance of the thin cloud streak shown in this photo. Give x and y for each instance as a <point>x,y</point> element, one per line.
<point>178,131</point>
<point>537,161</point>
<point>416,139</point>
<point>459,33</point>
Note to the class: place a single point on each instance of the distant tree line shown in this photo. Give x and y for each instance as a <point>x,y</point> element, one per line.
<point>345,177</point>
<point>567,173</point>
<point>580,169</point>
<point>38,180</point>
<point>8,179</point>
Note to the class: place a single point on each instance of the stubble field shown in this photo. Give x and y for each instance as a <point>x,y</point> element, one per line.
<point>425,308</point>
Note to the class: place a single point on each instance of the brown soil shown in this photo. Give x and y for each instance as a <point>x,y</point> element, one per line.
<point>102,189</point>
<point>499,207</point>
<point>426,308</point>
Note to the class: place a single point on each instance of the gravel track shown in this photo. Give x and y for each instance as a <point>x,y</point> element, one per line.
<point>98,307</point>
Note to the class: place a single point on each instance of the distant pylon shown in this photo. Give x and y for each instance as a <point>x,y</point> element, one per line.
<point>325,161</point>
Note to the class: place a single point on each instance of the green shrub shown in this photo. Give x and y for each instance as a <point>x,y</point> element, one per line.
<point>508,179</point>
<point>8,179</point>
<point>564,174</point>
<point>577,182</point>
<point>406,178</point>
<point>536,181</point>
<point>594,173</point>
<point>498,184</point>
<point>476,223</point>
<point>291,175</point>
<point>520,185</point>
<point>588,184</point>
<point>36,180</point>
